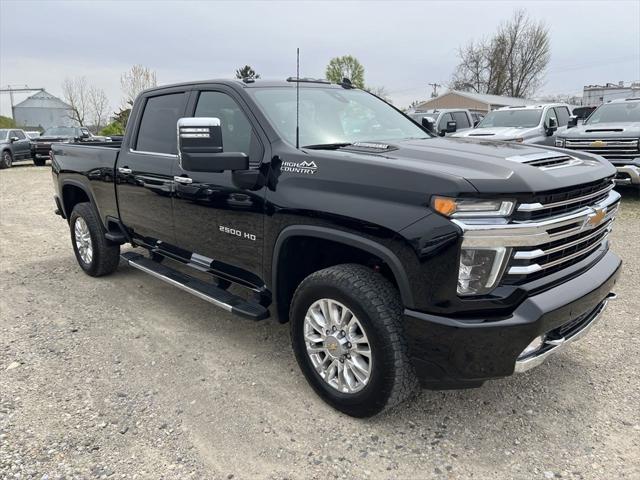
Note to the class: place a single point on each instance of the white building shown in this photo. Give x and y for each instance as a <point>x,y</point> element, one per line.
<point>42,110</point>
<point>594,95</point>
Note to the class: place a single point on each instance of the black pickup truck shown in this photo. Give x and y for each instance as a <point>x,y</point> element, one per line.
<point>399,258</point>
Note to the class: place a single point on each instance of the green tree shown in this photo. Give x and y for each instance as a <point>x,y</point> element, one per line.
<point>246,72</point>
<point>346,66</point>
<point>114,128</point>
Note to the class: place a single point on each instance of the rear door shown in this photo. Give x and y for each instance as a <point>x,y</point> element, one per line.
<point>144,169</point>
<point>218,224</point>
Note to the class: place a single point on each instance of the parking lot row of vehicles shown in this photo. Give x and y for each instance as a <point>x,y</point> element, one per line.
<point>16,144</point>
<point>611,130</point>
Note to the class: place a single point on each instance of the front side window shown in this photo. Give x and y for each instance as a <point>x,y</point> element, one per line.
<point>551,113</point>
<point>333,115</point>
<point>511,118</point>
<point>461,119</point>
<point>157,132</point>
<point>615,113</point>
<point>20,134</point>
<point>446,117</point>
<point>237,134</point>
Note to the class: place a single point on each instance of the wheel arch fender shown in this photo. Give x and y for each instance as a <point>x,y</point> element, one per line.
<point>75,184</point>
<point>347,238</point>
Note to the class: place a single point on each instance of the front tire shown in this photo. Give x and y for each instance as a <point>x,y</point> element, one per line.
<point>348,338</point>
<point>94,253</point>
<point>7,159</point>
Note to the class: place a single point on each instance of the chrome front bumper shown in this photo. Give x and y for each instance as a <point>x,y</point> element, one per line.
<point>551,347</point>
<point>633,173</point>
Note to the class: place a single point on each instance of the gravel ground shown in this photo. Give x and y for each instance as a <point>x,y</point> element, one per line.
<point>127,377</point>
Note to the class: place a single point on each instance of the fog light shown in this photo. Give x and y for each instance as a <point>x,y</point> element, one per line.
<point>534,346</point>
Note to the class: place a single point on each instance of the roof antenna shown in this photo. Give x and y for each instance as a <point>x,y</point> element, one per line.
<point>298,98</point>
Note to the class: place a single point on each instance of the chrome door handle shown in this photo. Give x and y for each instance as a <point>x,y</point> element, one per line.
<point>124,170</point>
<point>183,180</point>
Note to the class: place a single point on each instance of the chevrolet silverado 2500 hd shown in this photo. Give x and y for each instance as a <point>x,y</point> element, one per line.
<point>398,257</point>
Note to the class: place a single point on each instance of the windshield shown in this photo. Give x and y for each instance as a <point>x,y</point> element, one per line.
<point>331,115</point>
<point>3,134</point>
<point>615,112</point>
<point>511,118</point>
<point>61,131</point>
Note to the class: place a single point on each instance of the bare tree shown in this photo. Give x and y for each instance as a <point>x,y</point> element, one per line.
<point>134,81</point>
<point>99,108</point>
<point>76,94</point>
<point>380,92</point>
<point>512,62</point>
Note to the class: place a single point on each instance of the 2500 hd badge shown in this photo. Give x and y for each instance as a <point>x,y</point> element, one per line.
<point>237,233</point>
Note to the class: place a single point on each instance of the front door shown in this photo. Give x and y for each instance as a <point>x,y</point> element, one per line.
<point>218,224</point>
<point>22,146</point>
<point>145,170</point>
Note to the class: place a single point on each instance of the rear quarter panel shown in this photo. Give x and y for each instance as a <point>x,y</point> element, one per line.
<point>90,168</point>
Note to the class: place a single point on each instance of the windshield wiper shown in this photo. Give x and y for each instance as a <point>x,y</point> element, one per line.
<point>327,146</point>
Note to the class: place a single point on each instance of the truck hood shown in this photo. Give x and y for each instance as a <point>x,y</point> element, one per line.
<point>492,167</point>
<point>497,133</point>
<point>50,139</point>
<point>603,130</point>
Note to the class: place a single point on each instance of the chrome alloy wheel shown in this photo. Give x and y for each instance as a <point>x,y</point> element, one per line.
<point>337,346</point>
<point>83,240</point>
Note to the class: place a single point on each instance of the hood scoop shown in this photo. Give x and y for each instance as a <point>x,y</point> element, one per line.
<point>589,130</point>
<point>370,147</point>
<point>546,160</point>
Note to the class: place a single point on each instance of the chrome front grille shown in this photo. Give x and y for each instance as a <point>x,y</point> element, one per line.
<point>563,201</point>
<point>618,149</point>
<point>571,239</point>
<point>551,241</point>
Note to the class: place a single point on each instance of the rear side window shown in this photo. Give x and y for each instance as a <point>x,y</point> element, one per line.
<point>563,116</point>
<point>157,132</point>
<point>461,119</point>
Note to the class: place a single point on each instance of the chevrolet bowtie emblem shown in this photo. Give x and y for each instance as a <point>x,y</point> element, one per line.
<point>598,144</point>
<point>596,217</point>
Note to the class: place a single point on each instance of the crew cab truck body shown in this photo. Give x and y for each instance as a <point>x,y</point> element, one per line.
<point>612,131</point>
<point>395,255</point>
<point>531,124</point>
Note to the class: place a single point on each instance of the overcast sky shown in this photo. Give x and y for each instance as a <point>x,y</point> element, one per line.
<point>402,45</point>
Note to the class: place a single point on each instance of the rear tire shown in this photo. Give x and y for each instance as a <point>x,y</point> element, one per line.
<point>39,162</point>
<point>375,305</point>
<point>7,159</point>
<point>94,253</point>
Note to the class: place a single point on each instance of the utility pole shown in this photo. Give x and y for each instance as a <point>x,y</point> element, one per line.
<point>21,88</point>
<point>435,86</point>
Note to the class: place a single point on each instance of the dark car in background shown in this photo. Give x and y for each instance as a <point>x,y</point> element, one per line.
<point>14,145</point>
<point>41,146</point>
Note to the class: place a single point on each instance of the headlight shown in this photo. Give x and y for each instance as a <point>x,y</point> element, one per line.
<point>465,208</point>
<point>560,142</point>
<point>480,269</point>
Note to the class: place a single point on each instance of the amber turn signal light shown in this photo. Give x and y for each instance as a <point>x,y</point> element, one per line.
<point>444,206</point>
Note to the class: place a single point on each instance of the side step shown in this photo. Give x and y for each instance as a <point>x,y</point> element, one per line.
<point>209,292</point>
